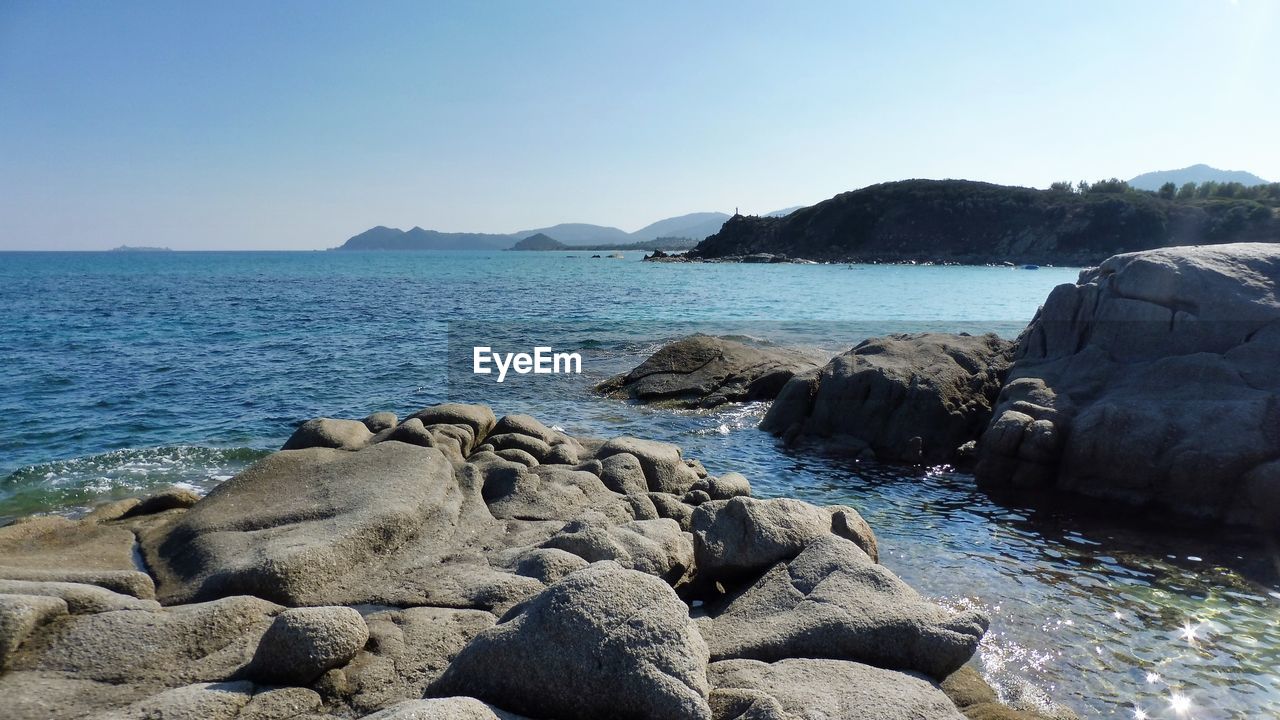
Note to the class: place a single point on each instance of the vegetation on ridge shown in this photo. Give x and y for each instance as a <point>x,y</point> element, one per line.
<point>975,222</point>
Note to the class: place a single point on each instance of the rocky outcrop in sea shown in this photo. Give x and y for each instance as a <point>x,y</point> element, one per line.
<point>457,565</point>
<point>1151,383</point>
<point>706,371</point>
<point>903,398</point>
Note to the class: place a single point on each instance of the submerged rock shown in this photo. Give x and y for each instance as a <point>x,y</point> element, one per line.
<point>705,371</point>
<point>1151,383</point>
<point>912,398</point>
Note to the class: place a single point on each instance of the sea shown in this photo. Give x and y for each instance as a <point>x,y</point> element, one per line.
<point>122,373</point>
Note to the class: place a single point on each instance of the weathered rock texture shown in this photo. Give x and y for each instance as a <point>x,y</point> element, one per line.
<point>457,565</point>
<point>912,398</point>
<point>705,371</point>
<point>1152,383</point>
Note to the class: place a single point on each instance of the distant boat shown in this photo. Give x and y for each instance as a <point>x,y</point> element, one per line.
<point>1030,267</point>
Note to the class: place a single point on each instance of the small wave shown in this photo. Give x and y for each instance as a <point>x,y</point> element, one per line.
<point>73,485</point>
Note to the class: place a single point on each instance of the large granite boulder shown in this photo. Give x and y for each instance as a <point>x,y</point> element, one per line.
<point>742,537</point>
<point>297,522</point>
<point>832,601</point>
<point>705,371</point>
<point>911,398</point>
<point>329,433</point>
<point>602,642</point>
<point>1151,383</point>
<point>827,689</point>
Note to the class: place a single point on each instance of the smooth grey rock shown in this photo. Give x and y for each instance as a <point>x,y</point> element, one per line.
<point>696,497</point>
<point>664,468</point>
<point>329,433</point>
<point>556,493</point>
<point>622,473</point>
<point>508,441</point>
<point>199,701</point>
<point>913,398</point>
<point>297,524</point>
<point>670,506</point>
<point>519,456</point>
<point>407,650</point>
<point>302,643</point>
<point>1150,384</point>
<point>41,696</point>
<point>738,538</point>
<point>623,636</point>
<point>479,418</point>
<point>379,421</point>
<point>835,690</point>
<point>562,454</point>
<point>724,487</point>
<point>705,371</point>
<point>413,432</point>
<point>832,601</point>
<point>548,564</point>
<point>205,642</point>
<point>80,598</point>
<point>126,582</point>
<point>528,425</point>
<point>452,708</point>
<point>21,615</point>
<point>655,547</point>
<point>55,548</point>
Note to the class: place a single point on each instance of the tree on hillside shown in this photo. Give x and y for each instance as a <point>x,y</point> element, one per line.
<point>1110,186</point>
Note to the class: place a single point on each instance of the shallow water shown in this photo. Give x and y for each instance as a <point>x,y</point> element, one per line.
<point>129,372</point>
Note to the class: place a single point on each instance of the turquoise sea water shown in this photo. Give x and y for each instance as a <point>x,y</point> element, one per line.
<point>125,372</point>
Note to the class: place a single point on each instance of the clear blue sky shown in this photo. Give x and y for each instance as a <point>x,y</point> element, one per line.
<point>298,124</point>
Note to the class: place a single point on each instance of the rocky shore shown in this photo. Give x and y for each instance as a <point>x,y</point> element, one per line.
<point>457,565</point>
<point>1148,385</point>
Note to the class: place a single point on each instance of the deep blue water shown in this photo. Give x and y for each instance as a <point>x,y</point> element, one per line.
<point>125,372</point>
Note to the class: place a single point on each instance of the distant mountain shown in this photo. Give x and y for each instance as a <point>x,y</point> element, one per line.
<point>1195,174</point>
<point>580,233</point>
<point>694,225</point>
<point>385,238</point>
<point>539,241</point>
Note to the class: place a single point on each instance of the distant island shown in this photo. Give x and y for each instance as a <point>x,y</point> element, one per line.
<point>139,249</point>
<point>542,241</point>
<point>966,222</point>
